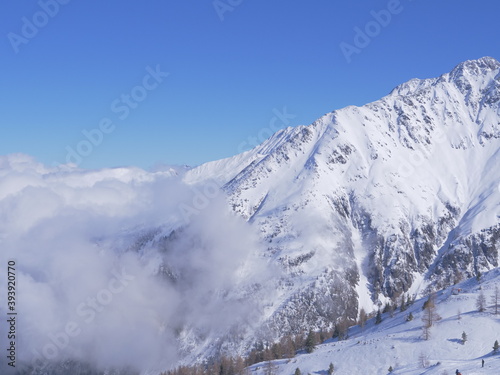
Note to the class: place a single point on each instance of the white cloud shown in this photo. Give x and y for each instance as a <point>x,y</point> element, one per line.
<point>72,232</point>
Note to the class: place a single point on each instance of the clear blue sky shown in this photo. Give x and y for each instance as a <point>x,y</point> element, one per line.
<point>225,76</point>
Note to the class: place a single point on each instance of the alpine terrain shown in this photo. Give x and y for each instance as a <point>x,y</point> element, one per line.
<point>368,203</point>
<point>366,206</point>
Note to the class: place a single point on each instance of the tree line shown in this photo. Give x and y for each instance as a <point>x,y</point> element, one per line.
<point>287,347</point>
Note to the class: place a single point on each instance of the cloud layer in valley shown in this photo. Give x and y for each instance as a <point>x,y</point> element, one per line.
<point>114,267</point>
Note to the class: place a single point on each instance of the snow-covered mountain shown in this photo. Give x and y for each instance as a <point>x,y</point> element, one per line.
<point>400,344</point>
<point>369,202</point>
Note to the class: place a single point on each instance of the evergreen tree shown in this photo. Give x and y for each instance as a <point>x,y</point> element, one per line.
<point>288,347</point>
<point>464,338</point>
<point>277,351</point>
<point>270,368</point>
<point>430,316</point>
<point>393,306</point>
<point>423,360</point>
<point>226,366</point>
<point>252,357</point>
<point>403,303</point>
<point>268,354</point>
<point>390,369</point>
<point>481,302</point>
<point>299,342</point>
<point>495,299</point>
<point>342,328</point>
<point>335,333</point>
<point>362,318</point>
<point>214,368</point>
<point>495,346</point>
<point>310,344</point>
<point>457,277</point>
<point>386,308</point>
<point>239,366</point>
<point>330,369</point>
<point>297,371</point>
<point>378,318</point>
<point>322,336</point>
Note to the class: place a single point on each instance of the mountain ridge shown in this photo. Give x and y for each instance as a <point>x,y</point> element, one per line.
<point>406,182</point>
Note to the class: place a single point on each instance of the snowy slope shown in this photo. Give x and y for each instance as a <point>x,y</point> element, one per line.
<point>398,195</point>
<point>399,343</point>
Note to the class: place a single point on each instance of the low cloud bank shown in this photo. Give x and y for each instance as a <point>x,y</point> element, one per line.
<point>121,267</point>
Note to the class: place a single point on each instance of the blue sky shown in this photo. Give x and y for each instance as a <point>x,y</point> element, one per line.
<point>232,66</point>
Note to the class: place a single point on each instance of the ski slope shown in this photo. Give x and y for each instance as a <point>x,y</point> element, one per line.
<point>398,343</point>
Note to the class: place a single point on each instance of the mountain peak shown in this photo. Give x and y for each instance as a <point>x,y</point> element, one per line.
<point>476,67</point>
<point>469,68</point>
<point>410,86</point>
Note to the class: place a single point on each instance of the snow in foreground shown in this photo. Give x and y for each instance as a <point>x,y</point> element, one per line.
<point>398,343</point>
